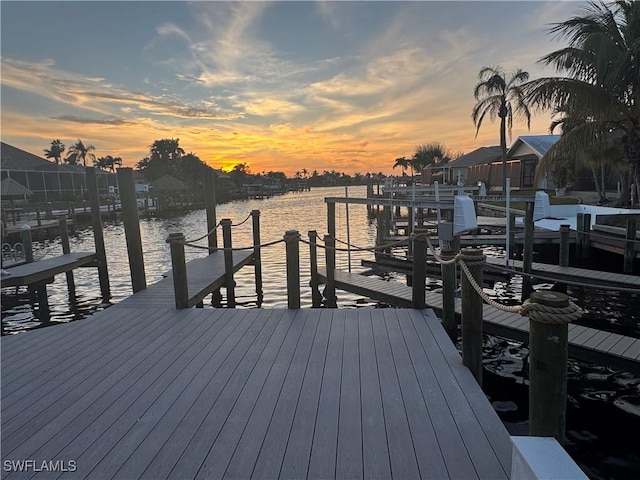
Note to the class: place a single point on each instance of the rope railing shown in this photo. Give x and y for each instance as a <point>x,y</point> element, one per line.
<point>213,230</point>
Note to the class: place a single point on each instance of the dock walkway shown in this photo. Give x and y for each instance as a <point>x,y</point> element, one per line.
<point>585,343</point>
<point>43,270</point>
<point>204,275</point>
<point>254,393</point>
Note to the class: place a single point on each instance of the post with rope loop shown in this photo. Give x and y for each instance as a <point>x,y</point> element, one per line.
<point>66,248</point>
<point>548,352</point>
<point>448,269</point>
<point>179,269</point>
<point>292,245</point>
<point>257,259</point>
<point>472,262</point>
<point>316,296</point>
<point>230,283</point>
<point>419,280</point>
<point>330,259</point>
<point>629,246</point>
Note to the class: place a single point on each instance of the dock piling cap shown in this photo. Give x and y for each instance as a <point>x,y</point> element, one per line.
<point>550,298</point>
<point>175,237</point>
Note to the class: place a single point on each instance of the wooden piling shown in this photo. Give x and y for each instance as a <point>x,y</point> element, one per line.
<point>331,219</point>
<point>330,259</point>
<point>257,259</point>
<point>527,256</point>
<point>27,243</point>
<point>472,314</point>
<point>548,351</point>
<point>586,235</point>
<point>314,282</point>
<point>98,236</point>
<point>579,234</point>
<point>66,248</point>
<point>129,206</point>
<point>419,280</point>
<point>449,286</point>
<point>38,217</point>
<point>564,246</point>
<point>629,246</point>
<point>210,205</point>
<point>230,283</point>
<point>179,268</point>
<point>292,245</point>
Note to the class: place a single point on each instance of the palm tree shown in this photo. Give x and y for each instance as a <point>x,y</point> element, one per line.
<point>55,152</point>
<point>403,163</point>
<point>601,83</point>
<point>501,98</point>
<point>81,151</point>
<point>108,163</point>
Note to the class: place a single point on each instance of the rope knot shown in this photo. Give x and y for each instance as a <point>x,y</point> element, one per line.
<point>549,314</point>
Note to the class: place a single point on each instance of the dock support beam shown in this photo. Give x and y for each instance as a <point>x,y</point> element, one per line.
<point>257,259</point>
<point>330,259</point>
<point>230,283</point>
<point>549,347</point>
<point>449,321</point>
<point>66,248</point>
<point>472,313</point>
<point>316,296</point>
<point>629,246</point>
<point>179,267</point>
<point>419,280</point>
<point>96,223</point>
<point>127,189</point>
<point>292,243</point>
<point>527,256</point>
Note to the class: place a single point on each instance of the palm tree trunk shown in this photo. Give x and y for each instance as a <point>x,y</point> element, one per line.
<point>503,146</point>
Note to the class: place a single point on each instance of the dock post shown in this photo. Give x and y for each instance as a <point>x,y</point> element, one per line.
<point>579,234</point>
<point>472,312</point>
<point>257,259</point>
<point>98,236</point>
<point>419,280</point>
<point>230,283</point>
<point>331,219</point>
<point>564,245</point>
<point>512,236</point>
<point>212,221</point>
<point>292,245</point>
<point>27,243</point>
<point>316,296</point>
<point>586,235</point>
<point>66,248</point>
<point>330,259</point>
<point>179,267</point>
<point>629,246</point>
<point>548,351</point>
<point>38,217</point>
<point>527,256</point>
<point>129,206</point>
<point>449,294</point>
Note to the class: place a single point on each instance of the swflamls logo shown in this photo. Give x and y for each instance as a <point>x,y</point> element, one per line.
<point>39,465</point>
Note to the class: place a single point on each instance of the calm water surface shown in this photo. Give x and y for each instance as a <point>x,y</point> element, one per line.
<point>604,405</point>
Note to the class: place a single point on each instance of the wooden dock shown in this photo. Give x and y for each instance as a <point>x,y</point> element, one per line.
<point>585,343</point>
<point>204,275</point>
<point>45,270</point>
<point>226,393</point>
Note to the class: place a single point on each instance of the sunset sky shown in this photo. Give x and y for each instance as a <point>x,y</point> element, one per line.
<point>347,86</point>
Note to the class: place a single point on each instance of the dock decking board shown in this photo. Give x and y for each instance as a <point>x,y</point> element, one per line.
<point>585,343</point>
<point>42,270</point>
<point>223,393</point>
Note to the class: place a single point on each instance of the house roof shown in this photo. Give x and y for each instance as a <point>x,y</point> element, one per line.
<point>12,158</point>
<point>168,182</point>
<point>479,156</point>
<point>539,143</point>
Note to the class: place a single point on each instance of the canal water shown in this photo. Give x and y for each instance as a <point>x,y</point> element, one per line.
<point>603,406</point>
